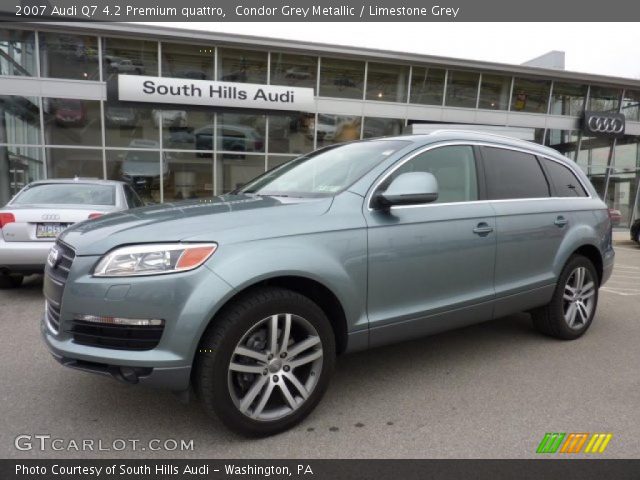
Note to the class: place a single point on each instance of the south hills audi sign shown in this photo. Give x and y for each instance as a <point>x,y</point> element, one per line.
<point>601,124</point>
<point>181,91</point>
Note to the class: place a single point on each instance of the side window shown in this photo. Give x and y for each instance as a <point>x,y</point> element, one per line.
<point>564,180</point>
<point>454,168</point>
<point>512,174</point>
<point>133,200</point>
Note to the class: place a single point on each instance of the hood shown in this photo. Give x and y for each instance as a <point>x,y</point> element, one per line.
<point>227,218</point>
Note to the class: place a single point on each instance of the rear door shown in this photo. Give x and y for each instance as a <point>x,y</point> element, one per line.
<point>531,225</point>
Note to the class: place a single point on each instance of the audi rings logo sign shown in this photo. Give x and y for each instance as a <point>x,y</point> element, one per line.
<point>54,257</point>
<point>50,216</point>
<point>602,124</point>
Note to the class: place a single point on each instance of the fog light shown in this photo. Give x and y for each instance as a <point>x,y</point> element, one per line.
<point>132,322</point>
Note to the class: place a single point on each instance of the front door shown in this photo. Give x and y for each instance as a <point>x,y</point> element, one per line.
<point>431,266</point>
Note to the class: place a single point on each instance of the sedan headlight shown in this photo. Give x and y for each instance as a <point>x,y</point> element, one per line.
<point>154,259</point>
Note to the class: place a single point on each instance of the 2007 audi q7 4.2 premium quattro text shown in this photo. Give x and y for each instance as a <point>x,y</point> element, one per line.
<point>249,297</point>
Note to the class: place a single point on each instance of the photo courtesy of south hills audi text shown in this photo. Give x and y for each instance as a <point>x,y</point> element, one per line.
<point>338,239</point>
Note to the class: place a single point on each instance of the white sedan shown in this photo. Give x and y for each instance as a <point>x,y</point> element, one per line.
<point>33,218</point>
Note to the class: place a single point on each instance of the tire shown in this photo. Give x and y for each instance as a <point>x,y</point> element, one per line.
<point>303,368</point>
<point>10,280</point>
<point>572,307</point>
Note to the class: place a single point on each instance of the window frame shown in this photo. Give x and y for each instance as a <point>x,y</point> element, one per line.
<point>480,172</point>
<point>555,194</point>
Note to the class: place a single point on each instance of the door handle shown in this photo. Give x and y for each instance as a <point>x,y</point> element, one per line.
<point>561,221</point>
<point>483,229</point>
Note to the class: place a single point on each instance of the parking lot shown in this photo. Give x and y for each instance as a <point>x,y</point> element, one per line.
<point>487,391</point>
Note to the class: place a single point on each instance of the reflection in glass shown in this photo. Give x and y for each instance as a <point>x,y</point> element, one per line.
<point>140,169</point>
<point>462,89</point>
<point>19,120</point>
<point>337,128</point>
<point>341,78</point>
<point>131,126</point>
<point>387,83</point>
<point>291,133</point>
<point>631,105</point>
<point>130,57</point>
<point>17,53</point>
<point>623,184</point>
<point>233,171</point>
<point>427,85</point>
<point>494,92</point>
<point>241,132</point>
<point>72,122</point>
<point>187,61</point>
<point>564,141</point>
<point>294,70</point>
<point>603,99</point>
<point>244,66</point>
<point>185,129</point>
<point>64,55</point>
<point>568,99</point>
<point>22,166</point>
<point>274,161</point>
<point>381,127</point>
<point>530,95</point>
<point>72,162</point>
<point>189,176</point>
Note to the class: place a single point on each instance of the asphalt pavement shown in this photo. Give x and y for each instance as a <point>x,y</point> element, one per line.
<point>487,391</point>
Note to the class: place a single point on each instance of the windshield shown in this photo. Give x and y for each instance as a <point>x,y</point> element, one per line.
<point>67,194</point>
<point>324,172</point>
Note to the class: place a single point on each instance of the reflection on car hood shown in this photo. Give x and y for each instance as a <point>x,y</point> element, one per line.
<point>226,218</point>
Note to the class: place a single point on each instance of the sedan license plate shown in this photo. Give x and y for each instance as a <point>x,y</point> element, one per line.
<point>50,230</point>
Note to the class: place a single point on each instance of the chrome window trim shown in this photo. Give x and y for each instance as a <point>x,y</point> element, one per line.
<point>472,143</point>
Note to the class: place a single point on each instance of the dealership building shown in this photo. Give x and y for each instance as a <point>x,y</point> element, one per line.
<point>163,108</point>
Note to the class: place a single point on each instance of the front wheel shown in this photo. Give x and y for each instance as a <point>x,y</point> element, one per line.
<point>573,306</point>
<point>265,362</point>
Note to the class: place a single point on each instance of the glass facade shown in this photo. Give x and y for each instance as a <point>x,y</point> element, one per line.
<point>170,152</point>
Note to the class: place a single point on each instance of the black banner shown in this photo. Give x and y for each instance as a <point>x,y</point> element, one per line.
<point>319,469</point>
<point>318,11</point>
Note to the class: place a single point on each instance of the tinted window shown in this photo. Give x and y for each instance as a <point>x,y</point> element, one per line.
<point>133,200</point>
<point>67,194</point>
<point>564,181</point>
<point>453,167</point>
<point>512,174</point>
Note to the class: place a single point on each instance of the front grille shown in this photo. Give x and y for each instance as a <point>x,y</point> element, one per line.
<point>119,337</point>
<point>53,316</point>
<point>60,271</point>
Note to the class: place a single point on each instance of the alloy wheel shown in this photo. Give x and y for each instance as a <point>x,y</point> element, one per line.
<point>578,298</point>
<point>275,367</point>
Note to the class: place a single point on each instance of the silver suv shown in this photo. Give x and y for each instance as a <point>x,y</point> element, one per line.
<point>249,297</point>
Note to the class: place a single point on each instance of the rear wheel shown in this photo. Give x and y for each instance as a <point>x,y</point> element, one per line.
<point>573,306</point>
<point>266,362</point>
<point>11,280</point>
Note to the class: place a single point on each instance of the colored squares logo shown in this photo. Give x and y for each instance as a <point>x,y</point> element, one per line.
<point>574,443</point>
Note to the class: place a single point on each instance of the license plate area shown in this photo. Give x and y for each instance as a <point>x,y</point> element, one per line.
<point>50,230</point>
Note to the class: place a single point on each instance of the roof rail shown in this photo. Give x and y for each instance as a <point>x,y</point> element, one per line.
<point>481,132</point>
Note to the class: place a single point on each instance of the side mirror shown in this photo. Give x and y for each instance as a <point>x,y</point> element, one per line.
<point>412,188</point>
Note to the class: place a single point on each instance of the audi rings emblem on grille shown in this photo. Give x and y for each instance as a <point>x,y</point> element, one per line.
<point>604,124</point>
<point>54,256</point>
<point>50,216</point>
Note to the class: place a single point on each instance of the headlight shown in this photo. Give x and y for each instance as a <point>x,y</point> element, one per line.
<point>154,259</point>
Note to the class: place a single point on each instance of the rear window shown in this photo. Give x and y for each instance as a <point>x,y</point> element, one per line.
<point>511,174</point>
<point>564,180</point>
<point>67,194</point>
